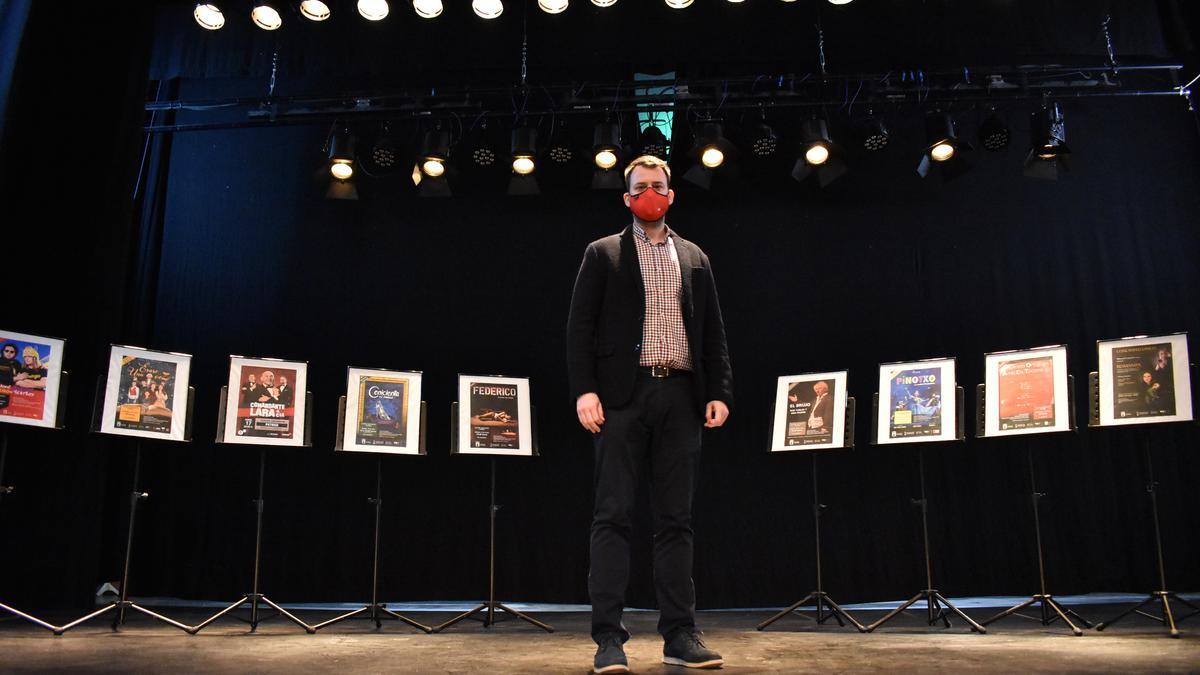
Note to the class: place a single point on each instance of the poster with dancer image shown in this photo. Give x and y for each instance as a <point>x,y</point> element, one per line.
<point>383,412</point>
<point>1025,392</point>
<point>266,402</point>
<point>1144,380</point>
<point>146,394</point>
<point>30,374</point>
<point>494,416</point>
<point>810,412</point>
<point>916,402</point>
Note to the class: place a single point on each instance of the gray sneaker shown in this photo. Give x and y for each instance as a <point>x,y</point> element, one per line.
<point>686,649</point>
<point>610,655</point>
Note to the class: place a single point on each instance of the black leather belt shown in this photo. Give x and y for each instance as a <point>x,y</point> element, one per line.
<point>662,371</point>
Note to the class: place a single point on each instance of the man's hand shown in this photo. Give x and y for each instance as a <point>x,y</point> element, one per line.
<point>715,414</point>
<point>591,413</point>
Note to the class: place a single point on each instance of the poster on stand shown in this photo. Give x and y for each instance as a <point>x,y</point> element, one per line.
<point>146,393</point>
<point>1026,392</point>
<point>383,411</point>
<point>30,375</point>
<point>916,402</point>
<point>494,416</point>
<point>266,402</point>
<point>1144,380</point>
<point>810,412</point>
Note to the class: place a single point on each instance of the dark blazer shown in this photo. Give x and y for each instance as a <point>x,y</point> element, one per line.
<point>604,329</point>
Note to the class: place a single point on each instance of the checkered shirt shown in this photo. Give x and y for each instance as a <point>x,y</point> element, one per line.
<point>664,337</point>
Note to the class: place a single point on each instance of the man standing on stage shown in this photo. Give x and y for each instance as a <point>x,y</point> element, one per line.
<point>648,367</point>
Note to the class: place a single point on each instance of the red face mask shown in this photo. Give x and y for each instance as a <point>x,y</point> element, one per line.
<point>649,206</point>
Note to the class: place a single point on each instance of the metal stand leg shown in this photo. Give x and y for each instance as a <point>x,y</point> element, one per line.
<point>819,597</point>
<point>254,597</point>
<point>1162,596</point>
<point>375,608</point>
<point>489,608</point>
<point>1050,609</point>
<point>936,604</point>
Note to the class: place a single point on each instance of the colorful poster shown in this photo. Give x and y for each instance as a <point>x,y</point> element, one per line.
<point>916,402</point>
<point>383,410</point>
<point>146,393</point>
<point>494,416</point>
<point>30,369</point>
<point>810,412</point>
<point>265,402</point>
<point>1145,380</point>
<point>1026,392</point>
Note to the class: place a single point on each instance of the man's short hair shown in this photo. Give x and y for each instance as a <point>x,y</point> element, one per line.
<point>650,162</point>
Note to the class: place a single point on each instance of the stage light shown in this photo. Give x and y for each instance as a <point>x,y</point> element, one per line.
<point>840,2</point>
<point>373,10</point>
<point>1048,151</point>
<point>712,150</point>
<point>427,9</point>
<point>944,149</point>
<point>818,154</point>
<point>385,154</point>
<point>678,4</point>
<point>524,147</point>
<point>341,154</point>
<point>606,144</point>
<point>314,10</point>
<point>993,133</point>
<point>765,142</point>
<point>209,16</point>
<point>874,134</point>
<point>712,157</point>
<point>487,9</point>
<point>435,150</point>
<point>552,6</point>
<point>604,3</point>
<point>653,142</point>
<point>266,15</point>
<point>480,147</point>
<point>523,165</point>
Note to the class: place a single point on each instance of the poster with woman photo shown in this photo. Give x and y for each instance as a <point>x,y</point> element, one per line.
<point>383,411</point>
<point>494,416</point>
<point>146,393</point>
<point>810,412</point>
<point>1025,392</point>
<point>30,375</point>
<point>916,402</point>
<point>266,402</point>
<point>1144,380</point>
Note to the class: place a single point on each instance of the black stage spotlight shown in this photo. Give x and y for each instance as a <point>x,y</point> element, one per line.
<point>373,10</point>
<point>945,148</point>
<point>765,141</point>
<point>341,165</point>
<point>994,133</point>
<point>818,154</point>
<point>559,148</point>
<point>386,154</point>
<point>524,151</point>
<point>429,173</point>
<point>266,14</point>
<point>209,15</point>
<point>313,10</point>
<point>1049,151</point>
<point>711,151</point>
<point>874,133</point>
<point>427,9</point>
<point>653,141</point>
<point>607,154</point>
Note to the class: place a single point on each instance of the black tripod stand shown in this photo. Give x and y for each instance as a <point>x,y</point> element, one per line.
<point>1051,610</point>
<point>125,604</point>
<point>254,597</point>
<point>7,490</point>
<point>936,603</point>
<point>489,608</point>
<point>1162,596</point>
<point>818,597</point>
<point>375,608</point>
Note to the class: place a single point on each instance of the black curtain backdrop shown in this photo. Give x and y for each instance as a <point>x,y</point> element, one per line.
<point>235,251</point>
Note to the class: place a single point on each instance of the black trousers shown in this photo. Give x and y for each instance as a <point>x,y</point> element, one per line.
<point>658,430</point>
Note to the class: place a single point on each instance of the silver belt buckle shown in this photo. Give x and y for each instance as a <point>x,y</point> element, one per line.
<point>660,371</point>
